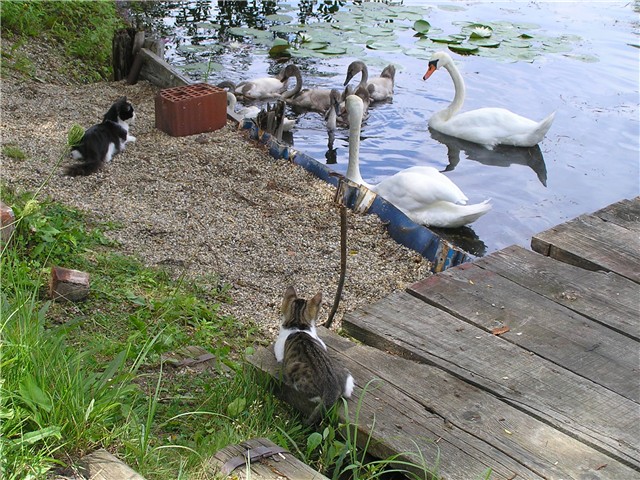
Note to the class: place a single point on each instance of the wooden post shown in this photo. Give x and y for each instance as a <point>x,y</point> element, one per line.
<point>122,52</point>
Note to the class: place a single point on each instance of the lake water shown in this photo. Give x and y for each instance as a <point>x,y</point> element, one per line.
<point>580,59</point>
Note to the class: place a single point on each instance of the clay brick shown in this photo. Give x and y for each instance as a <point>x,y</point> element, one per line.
<point>67,284</point>
<point>191,109</point>
<point>7,223</point>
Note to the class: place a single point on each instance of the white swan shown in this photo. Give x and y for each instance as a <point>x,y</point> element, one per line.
<point>266,87</point>
<point>486,126</point>
<point>380,88</point>
<point>245,112</point>
<point>422,193</point>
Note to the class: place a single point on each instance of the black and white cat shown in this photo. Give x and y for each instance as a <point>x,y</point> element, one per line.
<point>306,363</point>
<point>102,141</point>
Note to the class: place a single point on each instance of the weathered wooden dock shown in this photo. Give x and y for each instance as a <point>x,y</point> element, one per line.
<point>524,363</point>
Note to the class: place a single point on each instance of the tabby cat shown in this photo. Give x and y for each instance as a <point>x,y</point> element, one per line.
<point>306,364</point>
<point>104,140</point>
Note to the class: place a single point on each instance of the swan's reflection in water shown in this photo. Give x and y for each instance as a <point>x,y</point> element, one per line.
<point>500,156</point>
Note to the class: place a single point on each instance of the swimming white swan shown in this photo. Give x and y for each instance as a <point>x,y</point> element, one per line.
<point>422,193</point>
<point>245,112</point>
<point>486,126</point>
<point>266,87</point>
<point>380,88</point>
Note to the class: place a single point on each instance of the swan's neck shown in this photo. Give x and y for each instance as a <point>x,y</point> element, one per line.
<point>355,125</point>
<point>365,76</point>
<point>296,89</point>
<point>458,98</point>
<point>231,101</point>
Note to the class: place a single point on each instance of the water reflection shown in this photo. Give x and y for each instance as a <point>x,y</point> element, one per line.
<point>500,156</point>
<point>463,237</point>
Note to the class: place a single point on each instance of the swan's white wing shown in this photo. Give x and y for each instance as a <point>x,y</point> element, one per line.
<point>380,88</point>
<point>449,215</point>
<point>413,188</point>
<point>261,88</point>
<point>491,126</point>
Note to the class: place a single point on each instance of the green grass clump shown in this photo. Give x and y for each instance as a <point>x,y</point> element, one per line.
<point>84,29</point>
<point>13,151</point>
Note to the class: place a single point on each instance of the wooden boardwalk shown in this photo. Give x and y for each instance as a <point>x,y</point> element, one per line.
<point>524,362</point>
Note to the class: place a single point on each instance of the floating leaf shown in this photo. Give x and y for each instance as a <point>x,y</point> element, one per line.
<point>276,17</point>
<point>376,31</point>
<point>421,26</point>
<point>280,48</point>
<point>463,49</point>
<point>448,39</point>
<point>333,50</point>
<point>485,42</point>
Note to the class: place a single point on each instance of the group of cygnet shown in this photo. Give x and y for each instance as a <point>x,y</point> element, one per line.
<point>329,102</point>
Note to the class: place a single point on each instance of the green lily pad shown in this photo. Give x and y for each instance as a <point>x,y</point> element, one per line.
<point>280,48</point>
<point>448,39</point>
<point>421,26</point>
<point>388,46</point>
<point>463,49</point>
<point>485,42</point>
<point>332,50</point>
<point>277,17</point>
<point>376,31</point>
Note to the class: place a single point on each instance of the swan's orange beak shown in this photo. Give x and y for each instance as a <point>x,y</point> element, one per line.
<point>432,68</point>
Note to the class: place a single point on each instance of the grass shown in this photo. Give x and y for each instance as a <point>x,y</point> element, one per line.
<point>13,151</point>
<point>79,376</point>
<point>84,29</point>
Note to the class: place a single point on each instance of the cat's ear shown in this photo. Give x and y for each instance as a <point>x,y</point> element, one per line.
<point>289,296</point>
<point>314,304</point>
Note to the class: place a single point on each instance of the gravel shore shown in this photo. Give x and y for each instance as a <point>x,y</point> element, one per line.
<point>209,204</point>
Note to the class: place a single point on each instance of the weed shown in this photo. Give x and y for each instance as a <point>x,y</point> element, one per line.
<point>84,29</point>
<point>13,151</point>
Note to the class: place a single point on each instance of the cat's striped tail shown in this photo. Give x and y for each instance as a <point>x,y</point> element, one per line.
<point>82,168</point>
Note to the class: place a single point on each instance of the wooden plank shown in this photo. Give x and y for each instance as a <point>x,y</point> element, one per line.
<point>604,297</point>
<point>400,424</point>
<point>160,73</point>
<point>542,326</point>
<point>592,243</point>
<point>101,465</point>
<point>545,451</point>
<point>589,412</point>
<point>625,213</point>
<point>280,466</point>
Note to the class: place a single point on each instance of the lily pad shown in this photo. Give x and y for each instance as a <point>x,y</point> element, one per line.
<point>485,42</point>
<point>376,31</point>
<point>463,49</point>
<point>277,17</point>
<point>332,50</point>
<point>421,26</point>
<point>280,48</point>
<point>448,39</point>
